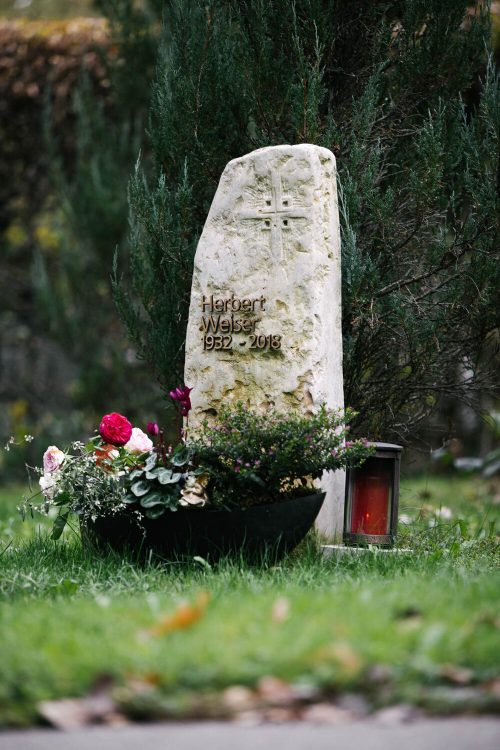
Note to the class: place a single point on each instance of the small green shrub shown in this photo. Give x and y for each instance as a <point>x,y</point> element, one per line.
<point>254,457</point>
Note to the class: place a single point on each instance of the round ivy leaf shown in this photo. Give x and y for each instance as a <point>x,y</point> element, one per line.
<point>136,473</point>
<point>167,476</point>
<point>180,457</point>
<point>129,498</point>
<point>152,499</point>
<point>155,512</point>
<point>150,462</point>
<point>140,488</point>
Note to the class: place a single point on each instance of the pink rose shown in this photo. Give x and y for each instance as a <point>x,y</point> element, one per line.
<point>115,429</point>
<point>139,442</point>
<point>52,459</point>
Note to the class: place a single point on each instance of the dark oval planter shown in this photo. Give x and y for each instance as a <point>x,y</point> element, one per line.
<point>262,530</point>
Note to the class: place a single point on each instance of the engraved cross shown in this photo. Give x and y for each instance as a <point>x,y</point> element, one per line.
<point>275,215</point>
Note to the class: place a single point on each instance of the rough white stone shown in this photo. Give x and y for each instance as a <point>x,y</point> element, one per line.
<point>271,237</point>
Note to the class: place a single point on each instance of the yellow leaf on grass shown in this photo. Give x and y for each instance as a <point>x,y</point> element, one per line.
<point>343,654</point>
<point>348,659</point>
<point>183,617</point>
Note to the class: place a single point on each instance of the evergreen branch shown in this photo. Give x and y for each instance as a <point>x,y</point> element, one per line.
<point>448,260</point>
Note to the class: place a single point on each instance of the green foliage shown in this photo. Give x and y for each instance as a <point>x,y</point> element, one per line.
<point>421,251</point>
<point>155,488</point>
<point>254,458</point>
<point>80,486</point>
<point>244,460</point>
<point>37,57</point>
<point>91,186</point>
<point>76,94</point>
<point>98,480</point>
<point>405,95</point>
<point>419,620</point>
<point>161,269</point>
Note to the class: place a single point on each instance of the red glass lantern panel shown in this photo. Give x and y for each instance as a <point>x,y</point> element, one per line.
<point>372,498</point>
<point>372,495</point>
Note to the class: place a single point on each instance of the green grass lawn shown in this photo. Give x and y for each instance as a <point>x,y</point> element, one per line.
<point>421,628</point>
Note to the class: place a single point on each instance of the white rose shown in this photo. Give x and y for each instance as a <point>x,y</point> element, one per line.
<point>48,484</point>
<point>139,442</point>
<point>52,459</point>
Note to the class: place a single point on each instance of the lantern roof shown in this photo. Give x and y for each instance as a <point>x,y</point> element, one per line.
<point>386,447</point>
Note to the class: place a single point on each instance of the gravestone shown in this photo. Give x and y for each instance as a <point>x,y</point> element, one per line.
<point>265,315</point>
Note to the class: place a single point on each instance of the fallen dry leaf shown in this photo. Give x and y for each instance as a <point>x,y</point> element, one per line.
<point>348,659</point>
<point>326,713</point>
<point>397,714</point>
<point>343,653</point>
<point>281,610</point>
<point>279,715</point>
<point>143,683</point>
<point>65,714</point>
<point>275,692</point>
<point>239,698</point>
<point>493,686</point>
<point>183,617</point>
<point>488,618</point>
<point>73,713</point>
<point>457,675</point>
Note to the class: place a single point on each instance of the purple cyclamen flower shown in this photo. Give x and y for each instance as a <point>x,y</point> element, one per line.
<point>181,396</point>
<point>152,429</point>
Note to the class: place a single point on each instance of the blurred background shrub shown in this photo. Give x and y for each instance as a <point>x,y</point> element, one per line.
<point>74,95</point>
<point>76,83</point>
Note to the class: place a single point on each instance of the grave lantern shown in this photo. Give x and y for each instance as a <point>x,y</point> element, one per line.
<point>372,496</point>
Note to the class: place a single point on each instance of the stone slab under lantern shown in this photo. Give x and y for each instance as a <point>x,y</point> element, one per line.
<point>265,314</point>
<point>340,550</point>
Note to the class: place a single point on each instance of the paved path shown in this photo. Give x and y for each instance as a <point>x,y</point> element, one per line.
<point>438,734</point>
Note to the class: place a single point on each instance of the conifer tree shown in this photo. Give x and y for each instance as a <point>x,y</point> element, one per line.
<point>407,97</point>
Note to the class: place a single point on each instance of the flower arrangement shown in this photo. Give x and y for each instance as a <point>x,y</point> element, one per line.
<point>243,459</point>
<point>252,458</point>
<point>119,470</point>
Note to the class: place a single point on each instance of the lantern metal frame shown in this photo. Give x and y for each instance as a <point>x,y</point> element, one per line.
<point>383,452</point>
